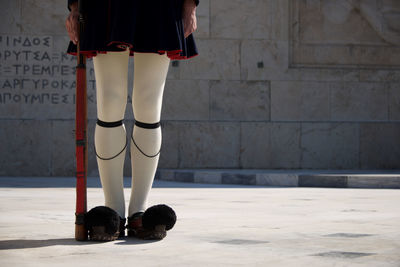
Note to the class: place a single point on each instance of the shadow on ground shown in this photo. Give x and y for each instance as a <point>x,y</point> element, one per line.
<point>26,243</point>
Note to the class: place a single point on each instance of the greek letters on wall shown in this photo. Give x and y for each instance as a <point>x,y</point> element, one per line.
<point>37,80</point>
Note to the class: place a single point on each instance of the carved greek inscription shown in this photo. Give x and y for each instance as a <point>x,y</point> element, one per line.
<point>32,73</point>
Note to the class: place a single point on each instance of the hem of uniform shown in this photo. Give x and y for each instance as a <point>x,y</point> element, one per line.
<point>172,54</point>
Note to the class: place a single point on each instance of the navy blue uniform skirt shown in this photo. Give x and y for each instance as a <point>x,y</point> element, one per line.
<point>153,26</point>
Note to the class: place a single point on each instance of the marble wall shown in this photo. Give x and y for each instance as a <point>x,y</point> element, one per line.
<point>278,84</point>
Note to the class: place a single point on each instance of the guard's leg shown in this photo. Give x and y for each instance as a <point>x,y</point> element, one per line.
<point>150,72</point>
<point>111,72</point>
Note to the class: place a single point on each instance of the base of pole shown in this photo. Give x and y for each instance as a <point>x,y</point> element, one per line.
<point>81,233</point>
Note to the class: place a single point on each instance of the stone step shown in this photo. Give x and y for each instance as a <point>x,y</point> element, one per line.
<point>286,178</point>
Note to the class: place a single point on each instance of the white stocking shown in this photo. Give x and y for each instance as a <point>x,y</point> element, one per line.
<point>150,72</point>
<point>111,72</point>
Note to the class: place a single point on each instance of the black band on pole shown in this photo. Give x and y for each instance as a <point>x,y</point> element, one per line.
<point>79,218</point>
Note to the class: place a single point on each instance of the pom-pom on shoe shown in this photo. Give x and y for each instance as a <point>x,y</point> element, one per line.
<point>153,223</point>
<point>103,224</point>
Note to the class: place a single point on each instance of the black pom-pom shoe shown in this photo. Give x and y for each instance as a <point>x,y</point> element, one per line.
<point>104,224</point>
<point>153,223</point>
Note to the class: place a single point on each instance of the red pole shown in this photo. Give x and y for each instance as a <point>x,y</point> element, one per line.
<point>81,137</point>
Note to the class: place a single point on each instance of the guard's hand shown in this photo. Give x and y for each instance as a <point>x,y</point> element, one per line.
<point>189,17</point>
<point>72,23</point>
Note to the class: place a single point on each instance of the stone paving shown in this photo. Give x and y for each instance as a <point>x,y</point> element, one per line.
<point>218,225</point>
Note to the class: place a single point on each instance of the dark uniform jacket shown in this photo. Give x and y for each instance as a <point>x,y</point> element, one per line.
<point>114,25</point>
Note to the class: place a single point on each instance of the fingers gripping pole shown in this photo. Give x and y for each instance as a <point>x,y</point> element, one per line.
<point>81,136</point>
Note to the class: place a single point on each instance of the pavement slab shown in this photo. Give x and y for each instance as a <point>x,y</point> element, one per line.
<point>217,225</point>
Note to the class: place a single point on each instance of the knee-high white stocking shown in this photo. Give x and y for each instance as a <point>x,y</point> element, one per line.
<point>111,72</point>
<point>110,145</point>
<point>150,72</point>
<point>143,166</point>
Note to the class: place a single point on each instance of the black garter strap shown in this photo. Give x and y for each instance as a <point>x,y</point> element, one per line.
<point>147,126</point>
<point>126,143</point>
<point>110,125</point>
